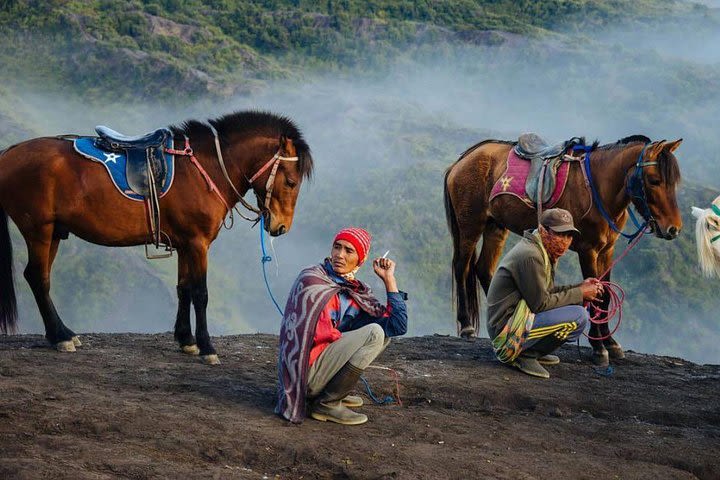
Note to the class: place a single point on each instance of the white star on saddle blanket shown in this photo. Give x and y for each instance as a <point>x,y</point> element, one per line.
<point>111,157</point>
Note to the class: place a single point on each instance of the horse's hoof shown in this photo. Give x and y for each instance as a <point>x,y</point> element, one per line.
<point>67,346</point>
<point>190,349</point>
<point>76,341</point>
<point>616,352</point>
<point>467,332</point>
<point>601,359</point>
<point>211,359</point>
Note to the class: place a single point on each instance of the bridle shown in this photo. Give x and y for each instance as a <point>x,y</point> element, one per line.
<point>271,164</point>
<point>635,188</point>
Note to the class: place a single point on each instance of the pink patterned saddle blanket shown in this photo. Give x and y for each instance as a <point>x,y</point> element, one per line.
<point>513,181</point>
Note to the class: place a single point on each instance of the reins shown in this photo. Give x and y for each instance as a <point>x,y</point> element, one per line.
<point>636,190</point>
<point>616,296</point>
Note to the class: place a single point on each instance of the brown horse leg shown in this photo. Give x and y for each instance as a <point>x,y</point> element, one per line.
<point>197,267</point>
<point>465,209</point>
<point>54,245</point>
<point>183,330</point>
<point>37,274</point>
<point>465,280</point>
<point>615,350</point>
<point>589,267</point>
<point>494,239</point>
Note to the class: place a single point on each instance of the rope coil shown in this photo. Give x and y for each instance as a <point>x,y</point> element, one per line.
<point>615,293</point>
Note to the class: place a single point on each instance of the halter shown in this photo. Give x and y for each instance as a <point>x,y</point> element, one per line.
<point>716,211</point>
<point>635,189</point>
<point>270,184</point>
<point>274,162</point>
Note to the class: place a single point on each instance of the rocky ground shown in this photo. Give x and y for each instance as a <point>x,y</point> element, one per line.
<point>132,406</point>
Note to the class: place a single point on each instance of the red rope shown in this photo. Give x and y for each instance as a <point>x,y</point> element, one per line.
<point>188,152</point>
<point>616,297</point>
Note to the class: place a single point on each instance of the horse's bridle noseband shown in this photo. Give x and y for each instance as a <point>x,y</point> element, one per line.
<point>270,184</point>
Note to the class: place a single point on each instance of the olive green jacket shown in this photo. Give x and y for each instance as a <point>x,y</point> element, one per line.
<point>521,275</point>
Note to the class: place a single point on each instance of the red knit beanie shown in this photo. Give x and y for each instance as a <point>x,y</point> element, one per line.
<point>358,238</point>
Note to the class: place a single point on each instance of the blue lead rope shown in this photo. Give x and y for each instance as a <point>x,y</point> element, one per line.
<point>266,259</point>
<point>377,401</point>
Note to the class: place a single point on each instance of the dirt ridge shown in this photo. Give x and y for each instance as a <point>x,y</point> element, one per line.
<point>132,406</point>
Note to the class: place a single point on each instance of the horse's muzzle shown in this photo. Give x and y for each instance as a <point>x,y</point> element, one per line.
<point>280,231</point>
<point>670,234</point>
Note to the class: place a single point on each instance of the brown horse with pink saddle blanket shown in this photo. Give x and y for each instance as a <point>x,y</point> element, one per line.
<point>497,186</point>
<point>172,187</point>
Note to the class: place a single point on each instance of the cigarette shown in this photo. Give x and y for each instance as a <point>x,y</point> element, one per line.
<point>386,254</point>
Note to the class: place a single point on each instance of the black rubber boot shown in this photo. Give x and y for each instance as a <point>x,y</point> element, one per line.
<point>328,406</point>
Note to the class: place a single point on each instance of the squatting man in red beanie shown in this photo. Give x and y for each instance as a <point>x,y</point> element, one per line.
<point>332,329</point>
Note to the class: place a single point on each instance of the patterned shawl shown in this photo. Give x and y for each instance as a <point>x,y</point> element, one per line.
<point>311,291</point>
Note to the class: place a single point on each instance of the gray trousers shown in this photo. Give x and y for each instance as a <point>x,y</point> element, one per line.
<point>359,347</point>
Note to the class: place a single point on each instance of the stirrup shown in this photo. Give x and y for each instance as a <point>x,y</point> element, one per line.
<point>163,246</point>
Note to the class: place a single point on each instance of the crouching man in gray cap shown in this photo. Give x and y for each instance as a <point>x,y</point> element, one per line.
<point>528,316</point>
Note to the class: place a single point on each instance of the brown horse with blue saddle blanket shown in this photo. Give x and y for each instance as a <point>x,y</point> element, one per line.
<point>174,187</point>
<point>496,186</point>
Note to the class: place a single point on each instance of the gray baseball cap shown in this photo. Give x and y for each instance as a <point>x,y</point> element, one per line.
<point>558,220</point>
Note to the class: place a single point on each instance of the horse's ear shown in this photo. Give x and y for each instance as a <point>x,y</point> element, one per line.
<point>287,146</point>
<point>654,149</point>
<point>672,146</point>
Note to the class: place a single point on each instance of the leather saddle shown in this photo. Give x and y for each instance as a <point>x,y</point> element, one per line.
<point>144,156</point>
<point>545,157</point>
<point>145,170</point>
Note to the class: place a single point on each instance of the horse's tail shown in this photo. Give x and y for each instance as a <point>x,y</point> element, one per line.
<point>470,288</point>
<point>453,227</point>
<point>8,302</point>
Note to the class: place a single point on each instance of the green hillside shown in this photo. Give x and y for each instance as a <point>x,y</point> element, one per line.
<point>158,48</point>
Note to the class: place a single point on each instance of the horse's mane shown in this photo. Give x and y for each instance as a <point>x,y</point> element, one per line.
<point>708,258</point>
<point>490,140</point>
<point>253,122</point>
<point>623,142</point>
<point>667,163</point>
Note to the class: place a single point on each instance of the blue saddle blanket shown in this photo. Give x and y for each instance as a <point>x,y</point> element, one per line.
<point>116,165</point>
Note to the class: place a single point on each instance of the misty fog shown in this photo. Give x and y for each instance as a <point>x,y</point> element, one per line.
<point>370,133</point>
